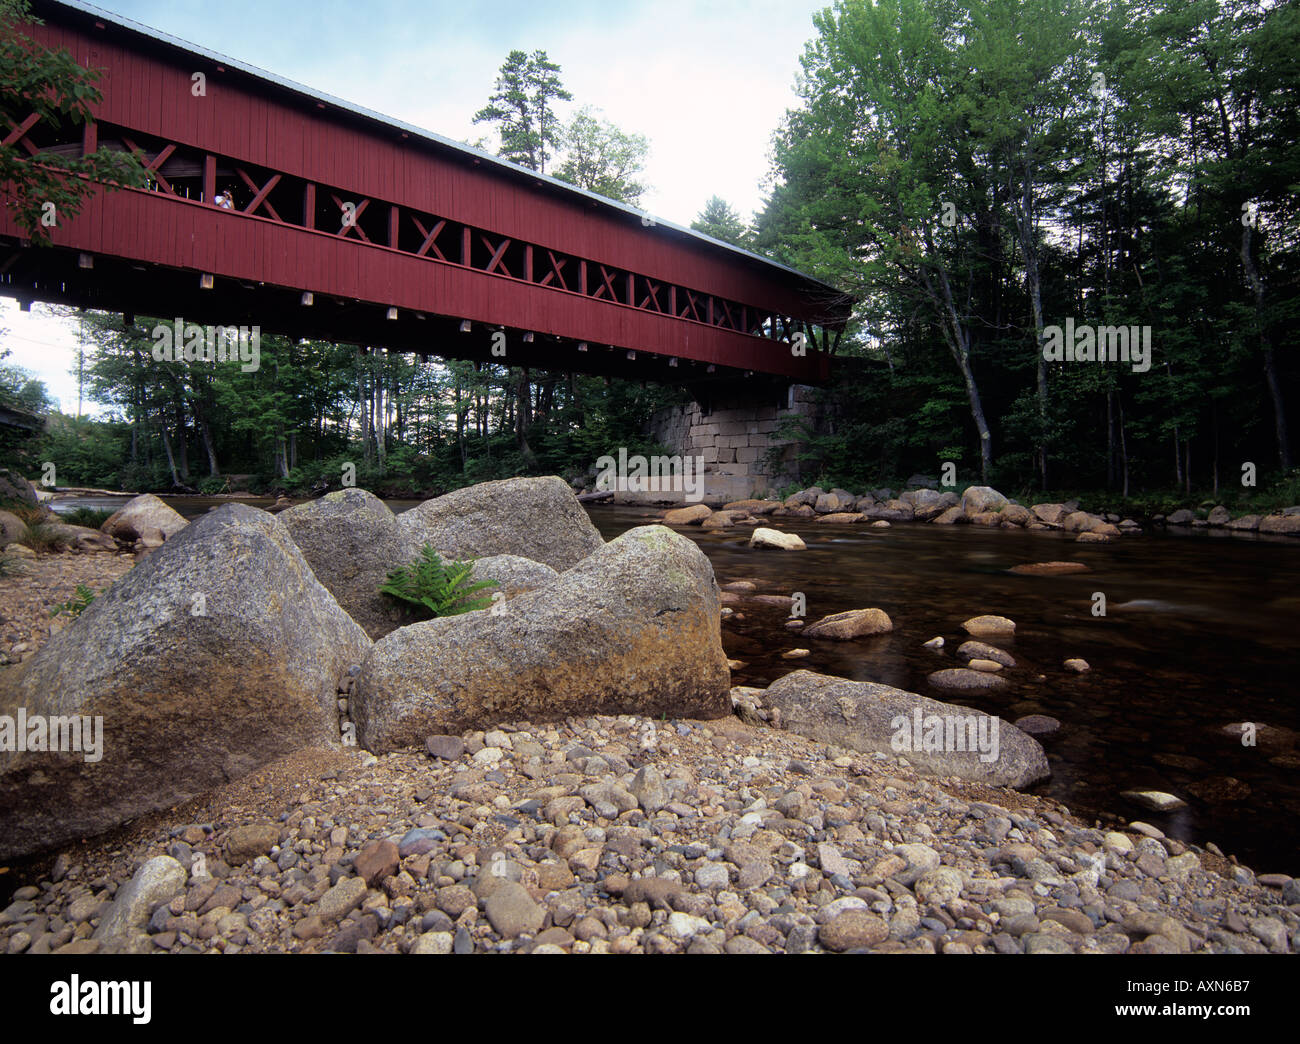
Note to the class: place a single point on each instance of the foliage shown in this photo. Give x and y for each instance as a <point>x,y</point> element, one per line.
<point>41,537</point>
<point>720,221</point>
<point>601,158</point>
<point>975,171</point>
<point>75,605</point>
<point>522,106</point>
<point>433,588</point>
<point>53,87</point>
<point>91,518</point>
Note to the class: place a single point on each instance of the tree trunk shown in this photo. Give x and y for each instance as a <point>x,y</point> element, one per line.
<point>171,460</point>
<point>1276,398</point>
<point>523,417</point>
<point>958,338</point>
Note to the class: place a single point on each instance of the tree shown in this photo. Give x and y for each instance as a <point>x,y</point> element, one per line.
<point>22,390</point>
<point>522,106</point>
<point>718,220</point>
<point>601,158</point>
<point>872,162</point>
<point>46,188</point>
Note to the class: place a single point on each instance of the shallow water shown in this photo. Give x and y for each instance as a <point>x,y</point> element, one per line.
<point>1200,631</point>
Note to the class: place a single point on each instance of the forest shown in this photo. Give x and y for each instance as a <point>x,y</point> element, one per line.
<point>979,174</point>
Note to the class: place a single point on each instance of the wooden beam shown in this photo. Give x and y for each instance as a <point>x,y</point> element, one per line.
<point>260,194</point>
<point>497,254</point>
<point>20,132</point>
<point>430,238</point>
<point>210,179</point>
<point>356,217</point>
<point>309,205</point>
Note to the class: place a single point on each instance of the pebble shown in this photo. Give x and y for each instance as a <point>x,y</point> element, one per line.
<point>512,912</point>
<point>618,834</point>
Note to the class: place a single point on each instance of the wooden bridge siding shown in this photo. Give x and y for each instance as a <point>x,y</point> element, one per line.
<point>185,234</point>
<point>152,93</point>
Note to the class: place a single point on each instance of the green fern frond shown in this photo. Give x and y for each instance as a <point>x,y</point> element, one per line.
<point>433,588</point>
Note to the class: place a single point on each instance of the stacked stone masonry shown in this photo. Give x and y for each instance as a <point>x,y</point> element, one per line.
<point>735,440</point>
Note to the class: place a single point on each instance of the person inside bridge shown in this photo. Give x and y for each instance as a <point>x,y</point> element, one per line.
<point>225,200</point>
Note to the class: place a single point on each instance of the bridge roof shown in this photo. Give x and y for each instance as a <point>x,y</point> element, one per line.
<point>438,140</point>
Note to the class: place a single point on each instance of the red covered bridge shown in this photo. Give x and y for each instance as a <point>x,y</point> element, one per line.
<point>352,227</point>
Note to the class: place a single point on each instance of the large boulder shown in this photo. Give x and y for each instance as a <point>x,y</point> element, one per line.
<point>216,654</point>
<point>12,528</point>
<point>146,511</point>
<point>830,504</point>
<point>804,496</point>
<point>80,538</point>
<point>1288,524</point>
<point>352,540</point>
<point>692,515</point>
<point>1016,515</point>
<point>512,575</point>
<point>1052,514</point>
<point>632,629</point>
<point>928,503</point>
<point>14,487</point>
<point>535,518</point>
<point>978,499</point>
<point>870,717</point>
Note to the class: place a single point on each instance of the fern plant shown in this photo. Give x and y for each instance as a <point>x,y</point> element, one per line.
<point>432,588</point>
<point>77,604</point>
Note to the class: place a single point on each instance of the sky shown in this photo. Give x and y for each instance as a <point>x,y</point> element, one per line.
<point>706,81</point>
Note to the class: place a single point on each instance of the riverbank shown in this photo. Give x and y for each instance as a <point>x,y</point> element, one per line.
<point>980,506</point>
<point>626,835</point>
<point>740,834</point>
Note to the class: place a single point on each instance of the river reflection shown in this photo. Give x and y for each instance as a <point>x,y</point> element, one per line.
<point>1199,632</point>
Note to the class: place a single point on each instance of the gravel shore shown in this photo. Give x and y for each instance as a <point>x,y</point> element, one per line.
<point>627,835</point>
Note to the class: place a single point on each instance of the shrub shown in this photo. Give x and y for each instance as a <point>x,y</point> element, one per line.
<point>91,518</point>
<point>41,537</point>
<point>432,588</point>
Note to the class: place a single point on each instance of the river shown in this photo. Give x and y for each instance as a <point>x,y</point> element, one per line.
<point>1200,631</point>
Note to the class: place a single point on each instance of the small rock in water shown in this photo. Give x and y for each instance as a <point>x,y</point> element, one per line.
<point>1077,665</point>
<point>989,626</point>
<point>1154,800</point>
<point>965,678</point>
<point>1038,724</point>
